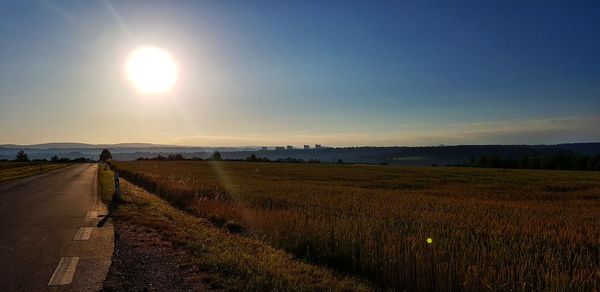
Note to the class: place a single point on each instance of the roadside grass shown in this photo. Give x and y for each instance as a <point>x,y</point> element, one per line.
<point>15,170</point>
<point>106,186</point>
<point>13,164</point>
<point>233,262</point>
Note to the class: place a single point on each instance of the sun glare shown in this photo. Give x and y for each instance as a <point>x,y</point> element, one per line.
<point>151,70</point>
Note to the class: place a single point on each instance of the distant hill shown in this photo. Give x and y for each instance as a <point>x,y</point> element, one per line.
<point>583,148</point>
<point>59,145</point>
<point>424,155</point>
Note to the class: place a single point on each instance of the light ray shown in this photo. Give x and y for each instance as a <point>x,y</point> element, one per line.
<point>183,113</point>
<point>119,20</point>
<point>56,9</point>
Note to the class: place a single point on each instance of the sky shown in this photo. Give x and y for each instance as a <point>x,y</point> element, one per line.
<point>338,73</point>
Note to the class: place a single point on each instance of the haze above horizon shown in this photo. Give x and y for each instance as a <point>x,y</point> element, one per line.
<point>338,73</point>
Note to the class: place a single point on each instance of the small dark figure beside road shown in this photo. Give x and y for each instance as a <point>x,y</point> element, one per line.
<point>117,194</point>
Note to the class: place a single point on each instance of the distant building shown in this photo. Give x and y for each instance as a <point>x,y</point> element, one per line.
<point>264,148</point>
<point>306,147</point>
<point>318,146</point>
<point>279,148</point>
<point>290,147</point>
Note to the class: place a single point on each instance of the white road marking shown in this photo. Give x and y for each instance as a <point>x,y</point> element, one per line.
<point>92,214</point>
<point>83,233</point>
<point>63,275</point>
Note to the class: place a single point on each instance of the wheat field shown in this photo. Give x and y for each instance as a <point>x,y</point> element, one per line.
<point>413,228</point>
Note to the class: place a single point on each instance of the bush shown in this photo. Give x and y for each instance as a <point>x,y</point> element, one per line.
<point>234,227</point>
<point>217,220</point>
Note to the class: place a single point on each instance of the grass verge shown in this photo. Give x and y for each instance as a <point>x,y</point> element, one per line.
<point>233,262</point>
<point>21,170</point>
<point>106,185</point>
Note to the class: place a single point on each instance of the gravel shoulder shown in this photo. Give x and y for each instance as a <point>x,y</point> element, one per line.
<point>144,261</point>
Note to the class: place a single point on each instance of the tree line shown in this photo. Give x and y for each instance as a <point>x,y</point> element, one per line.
<point>217,157</point>
<point>559,160</point>
<point>22,156</point>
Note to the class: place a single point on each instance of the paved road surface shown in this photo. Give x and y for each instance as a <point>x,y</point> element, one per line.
<point>43,232</point>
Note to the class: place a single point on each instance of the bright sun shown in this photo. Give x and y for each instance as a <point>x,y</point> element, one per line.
<point>151,70</point>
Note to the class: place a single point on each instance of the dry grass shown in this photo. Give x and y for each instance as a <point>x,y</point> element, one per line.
<point>15,170</point>
<point>106,185</point>
<point>234,263</point>
<point>507,229</point>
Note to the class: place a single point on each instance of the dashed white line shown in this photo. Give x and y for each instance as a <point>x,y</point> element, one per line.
<point>83,233</point>
<point>63,275</point>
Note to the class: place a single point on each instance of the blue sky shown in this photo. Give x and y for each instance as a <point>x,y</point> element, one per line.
<point>283,72</point>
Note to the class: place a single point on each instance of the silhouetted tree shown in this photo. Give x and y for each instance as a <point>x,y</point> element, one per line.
<point>552,160</point>
<point>594,162</point>
<point>81,160</point>
<point>581,163</point>
<point>54,158</point>
<point>22,156</point>
<point>159,158</point>
<point>175,157</point>
<point>105,155</point>
<point>217,156</point>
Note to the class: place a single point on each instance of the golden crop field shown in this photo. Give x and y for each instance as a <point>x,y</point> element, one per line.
<point>14,170</point>
<point>414,228</point>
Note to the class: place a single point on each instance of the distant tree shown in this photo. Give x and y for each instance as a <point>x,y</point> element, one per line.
<point>159,158</point>
<point>524,161</point>
<point>175,157</point>
<point>564,160</point>
<point>472,162</point>
<point>217,156</point>
<point>252,158</point>
<point>22,156</point>
<point>581,163</point>
<point>54,158</point>
<point>482,161</point>
<point>594,162</point>
<point>291,160</point>
<point>535,163</point>
<point>105,155</point>
<point>81,160</point>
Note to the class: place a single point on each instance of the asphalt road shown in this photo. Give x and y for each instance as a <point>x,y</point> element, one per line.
<point>48,231</point>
